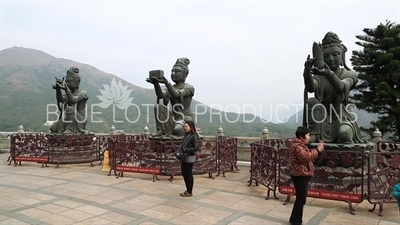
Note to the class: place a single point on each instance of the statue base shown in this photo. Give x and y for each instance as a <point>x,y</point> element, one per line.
<point>71,148</point>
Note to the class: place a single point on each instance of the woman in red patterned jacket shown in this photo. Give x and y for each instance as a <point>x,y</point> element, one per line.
<point>301,170</point>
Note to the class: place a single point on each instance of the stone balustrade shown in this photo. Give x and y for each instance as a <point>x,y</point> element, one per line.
<point>243,145</point>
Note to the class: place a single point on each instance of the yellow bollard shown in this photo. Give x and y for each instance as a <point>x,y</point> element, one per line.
<point>106,165</point>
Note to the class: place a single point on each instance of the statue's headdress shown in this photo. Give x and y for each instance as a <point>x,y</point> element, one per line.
<point>183,62</point>
<point>332,39</point>
<point>74,72</point>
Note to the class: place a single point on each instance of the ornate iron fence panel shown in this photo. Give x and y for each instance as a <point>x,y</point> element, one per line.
<point>338,175</point>
<point>118,151</point>
<point>383,174</point>
<point>263,168</point>
<point>171,165</point>
<point>205,159</point>
<point>284,143</point>
<point>156,157</point>
<point>102,145</point>
<point>134,154</point>
<point>28,147</point>
<point>227,153</point>
<point>64,149</point>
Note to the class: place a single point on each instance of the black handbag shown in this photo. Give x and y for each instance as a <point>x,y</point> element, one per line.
<point>179,154</point>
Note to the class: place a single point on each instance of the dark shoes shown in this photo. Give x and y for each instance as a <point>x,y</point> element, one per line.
<point>186,194</point>
<point>294,223</point>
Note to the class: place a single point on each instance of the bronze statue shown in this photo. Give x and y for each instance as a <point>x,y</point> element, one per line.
<point>72,105</point>
<point>328,114</point>
<point>179,95</point>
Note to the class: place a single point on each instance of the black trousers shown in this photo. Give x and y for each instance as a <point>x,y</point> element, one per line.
<point>301,186</point>
<point>187,173</point>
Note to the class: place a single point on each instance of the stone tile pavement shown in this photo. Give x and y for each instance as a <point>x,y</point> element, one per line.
<point>80,194</point>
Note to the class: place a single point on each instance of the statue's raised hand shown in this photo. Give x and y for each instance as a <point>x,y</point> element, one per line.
<point>307,67</point>
<point>59,83</point>
<point>326,71</point>
<point>309,63</point>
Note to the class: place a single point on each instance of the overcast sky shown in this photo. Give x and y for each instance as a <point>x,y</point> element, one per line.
<point>242,53</point>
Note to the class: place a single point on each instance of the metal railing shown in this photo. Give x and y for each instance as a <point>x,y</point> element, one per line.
<point>341,175</point>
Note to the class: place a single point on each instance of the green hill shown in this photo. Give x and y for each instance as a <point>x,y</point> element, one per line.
<point>363,119</point>
<point>26,95</point>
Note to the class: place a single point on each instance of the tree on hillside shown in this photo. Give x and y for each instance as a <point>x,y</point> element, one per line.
<point>378,68</point>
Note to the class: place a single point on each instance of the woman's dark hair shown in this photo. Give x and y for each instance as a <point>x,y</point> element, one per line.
<point>192,126</point>
<point>301,132</point>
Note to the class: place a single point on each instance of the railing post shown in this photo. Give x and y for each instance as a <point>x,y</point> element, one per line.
<point>376,137</point>
<point>220,131</point>
<point>20,129</point>
<point>265,134</point>
<point>112,130</point>
<point>146,130</point>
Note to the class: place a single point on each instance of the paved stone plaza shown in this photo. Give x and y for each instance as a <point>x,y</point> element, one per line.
<point>80,194</point>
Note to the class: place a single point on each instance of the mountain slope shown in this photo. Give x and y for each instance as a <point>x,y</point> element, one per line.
<point>26,95</point>
<point>363,119</point>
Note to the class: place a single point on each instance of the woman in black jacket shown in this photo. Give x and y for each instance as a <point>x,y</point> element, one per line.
<point>189,146</point>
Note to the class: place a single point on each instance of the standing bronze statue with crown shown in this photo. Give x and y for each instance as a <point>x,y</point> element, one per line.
<point>328,114</point>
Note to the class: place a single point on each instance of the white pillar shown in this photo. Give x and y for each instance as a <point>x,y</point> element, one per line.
<point>376,136</point>
<point>265,134</point>
<point>146,130</point>
<point>112,130</point>
<point>220,131</point>
<point>20,129</point>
